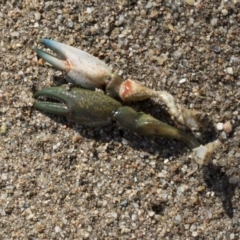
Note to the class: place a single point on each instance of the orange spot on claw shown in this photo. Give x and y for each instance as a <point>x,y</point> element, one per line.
<point>126,88</point>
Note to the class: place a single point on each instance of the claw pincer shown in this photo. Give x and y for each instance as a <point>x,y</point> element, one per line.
<point>79,105</point>
<point>82,69</point>
<point>96,109</point>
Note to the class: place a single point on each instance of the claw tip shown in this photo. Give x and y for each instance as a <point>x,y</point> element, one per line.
<point>40,40</point>
<point>43,41</point>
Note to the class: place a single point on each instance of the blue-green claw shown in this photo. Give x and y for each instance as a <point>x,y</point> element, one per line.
<point>96,109</point>
<point>80,105</point>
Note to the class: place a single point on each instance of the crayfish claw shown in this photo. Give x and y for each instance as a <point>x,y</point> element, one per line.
<point>82,69</point>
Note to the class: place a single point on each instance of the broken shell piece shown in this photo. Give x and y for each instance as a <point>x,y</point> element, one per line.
<point>203,154</point>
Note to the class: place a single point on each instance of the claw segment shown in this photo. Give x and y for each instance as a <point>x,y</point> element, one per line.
<point>81,68</point>
<point>51,107</point>
<point>57,63</point>
<point>203,154</point>
<point>56,47</point>
<point>80,105</point>
<point>146,125</point>
<point>133,91</point>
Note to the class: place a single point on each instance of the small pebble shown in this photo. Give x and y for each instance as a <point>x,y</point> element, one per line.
<point>217,49</point>
<point>200,188</point>
<point>56,146</point>
<point>89,229</point>
<point>214,21</point>
<point>227,127</point>
<point>178,219</point>
<point>151,213</point>
<point>234,59</point>
<point>183,80</point>
<point>15,34</point>
<point>125,141</point>
<point>232,236</point>
<point>224,12</point>
<point>186,226</point>
<point>39,227</point>
<point>149,5</point>
<point>229,70</point>
<point>124,203</point>
<point>233,179</point>
<point>57,229</point>
<point>37,16</point>
<point>237,155</point>
<point>182,188</point>
<point>223,135</point>
<point>112,215</point>
<point>76,138</point>
<point>89,10</point>
<point>177,54</point>
<point>4,176</point>
<point>3,129</point>
<point>219,126</point>
<point>2,212</point>
<point>190,2</point>
<point>134,217</point>
<point>195,234</point>
<point>193,227</point>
